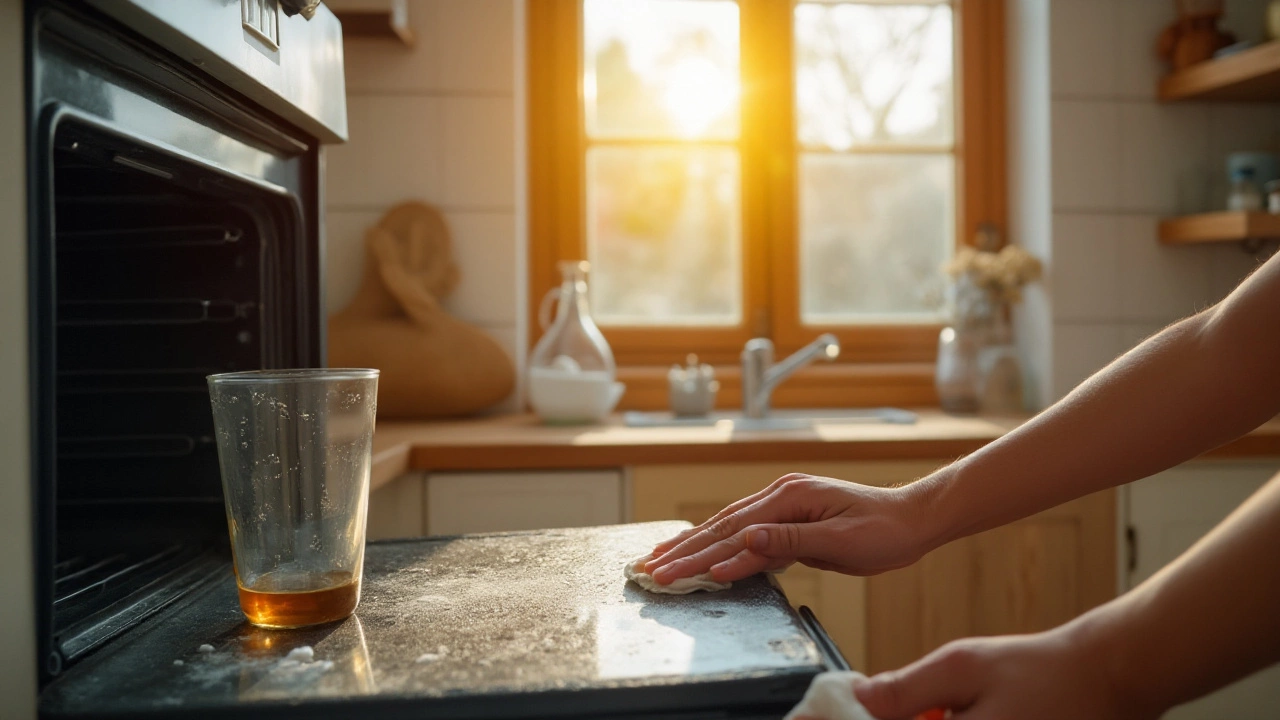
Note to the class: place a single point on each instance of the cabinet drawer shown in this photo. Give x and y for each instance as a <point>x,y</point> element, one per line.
<point>494,502</point>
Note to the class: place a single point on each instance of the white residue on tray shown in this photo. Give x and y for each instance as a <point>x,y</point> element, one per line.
<point>205,648</point>
<point>299,663</point>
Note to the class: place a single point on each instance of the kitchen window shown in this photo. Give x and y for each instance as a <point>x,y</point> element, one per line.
<point>765,168</point>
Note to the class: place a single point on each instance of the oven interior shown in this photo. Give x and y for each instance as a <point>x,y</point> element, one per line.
<point>160,272</point>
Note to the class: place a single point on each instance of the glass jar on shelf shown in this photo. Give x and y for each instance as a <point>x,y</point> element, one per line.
<point>1244,195</point>
<point>571,370</point>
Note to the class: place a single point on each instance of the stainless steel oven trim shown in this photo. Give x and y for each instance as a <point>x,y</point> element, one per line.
<point>301,79</point>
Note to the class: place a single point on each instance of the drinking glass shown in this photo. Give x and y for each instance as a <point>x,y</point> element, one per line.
<point>295,449</point>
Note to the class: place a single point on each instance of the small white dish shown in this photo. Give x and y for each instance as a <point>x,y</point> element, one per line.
<point>566,398</point>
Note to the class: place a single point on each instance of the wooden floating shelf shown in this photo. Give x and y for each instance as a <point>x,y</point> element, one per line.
<point>1220,227</point>
<point>1249,75</point>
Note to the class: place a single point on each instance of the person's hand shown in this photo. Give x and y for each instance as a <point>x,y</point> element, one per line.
<point>824,523</point>
<point>1045,676</point>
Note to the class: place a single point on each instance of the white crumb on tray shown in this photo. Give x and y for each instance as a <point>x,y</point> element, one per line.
<point>427,658</point>
<point>302,660</point>
<point>178,663</point>
<point>205,648</point>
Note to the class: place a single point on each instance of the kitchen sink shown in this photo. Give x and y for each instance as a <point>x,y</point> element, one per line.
<point>789,419</point>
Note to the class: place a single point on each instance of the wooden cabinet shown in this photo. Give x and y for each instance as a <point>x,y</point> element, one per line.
<point>500,501</point>
<point>396,509</point>
<point>1026,576</point>
<point>1166,514</point>
<point>417,504</point>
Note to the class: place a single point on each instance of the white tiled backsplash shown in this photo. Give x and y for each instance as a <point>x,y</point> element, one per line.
<point>437,122</point>
<point>1121,161</point>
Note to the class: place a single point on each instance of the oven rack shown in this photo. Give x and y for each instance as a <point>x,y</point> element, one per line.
<point>131,381</point>
<point>146,238</point>
<point>176,311</point>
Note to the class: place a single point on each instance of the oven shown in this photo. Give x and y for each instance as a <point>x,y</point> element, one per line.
<point>175,163</point>
<point>174,214</point>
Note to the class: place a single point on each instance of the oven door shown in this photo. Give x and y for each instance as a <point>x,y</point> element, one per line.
<point>174,233</point>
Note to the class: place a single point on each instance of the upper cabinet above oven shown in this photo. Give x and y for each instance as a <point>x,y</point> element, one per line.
<point>290,64</point>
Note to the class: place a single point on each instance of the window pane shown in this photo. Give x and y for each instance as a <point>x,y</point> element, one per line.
<point>663,236</point>
<point>661,68</point>
<point>875,231</point>
<point>873,74</point>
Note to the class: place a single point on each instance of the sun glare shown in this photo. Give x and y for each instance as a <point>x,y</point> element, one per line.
<point>697,92</point>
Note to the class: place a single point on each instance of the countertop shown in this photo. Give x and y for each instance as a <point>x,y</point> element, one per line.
<point>513,442</point>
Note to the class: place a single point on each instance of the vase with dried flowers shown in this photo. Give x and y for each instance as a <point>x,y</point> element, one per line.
<point>977,366</point>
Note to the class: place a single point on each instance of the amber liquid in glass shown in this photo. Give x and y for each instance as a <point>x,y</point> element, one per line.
<point>266,604</point>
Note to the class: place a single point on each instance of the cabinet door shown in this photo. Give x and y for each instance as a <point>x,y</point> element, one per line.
<point>1167,513</point>
<point>696,492</point>
<point>396,509</point>
<point>1026,576</point>
<point>494,502</point>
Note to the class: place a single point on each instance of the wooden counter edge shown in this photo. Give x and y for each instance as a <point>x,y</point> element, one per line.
<point>397,451</point>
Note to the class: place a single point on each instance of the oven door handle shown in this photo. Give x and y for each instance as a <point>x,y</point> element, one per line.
<point>830,653</point>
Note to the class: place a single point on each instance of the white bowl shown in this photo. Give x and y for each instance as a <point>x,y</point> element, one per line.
<point>564,397</point>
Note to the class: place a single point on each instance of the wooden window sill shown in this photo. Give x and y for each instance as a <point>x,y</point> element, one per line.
<point>835,385</point>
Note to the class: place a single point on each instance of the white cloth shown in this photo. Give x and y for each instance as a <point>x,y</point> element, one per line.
<point>830,697</point>
<point>634,571</point>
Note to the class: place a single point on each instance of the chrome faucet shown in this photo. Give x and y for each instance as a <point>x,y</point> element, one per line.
<point>760,376</point>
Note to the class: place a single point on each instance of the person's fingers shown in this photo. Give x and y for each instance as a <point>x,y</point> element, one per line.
<point>719,531</point>
<point>666,545</point>
<point>745,564</point>
<point>754,548</point>
<point>789,540</point>
<point>946,678</point>
<point>700,561</point>
<point>671,542</point>
<point>778,505</point>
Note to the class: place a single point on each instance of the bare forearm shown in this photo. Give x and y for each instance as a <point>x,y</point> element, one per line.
<point>1196,385</point>
<point>1205,620</point>
<point>1123,424</point>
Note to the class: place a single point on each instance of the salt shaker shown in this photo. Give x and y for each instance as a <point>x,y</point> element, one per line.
<point>692,388</point>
